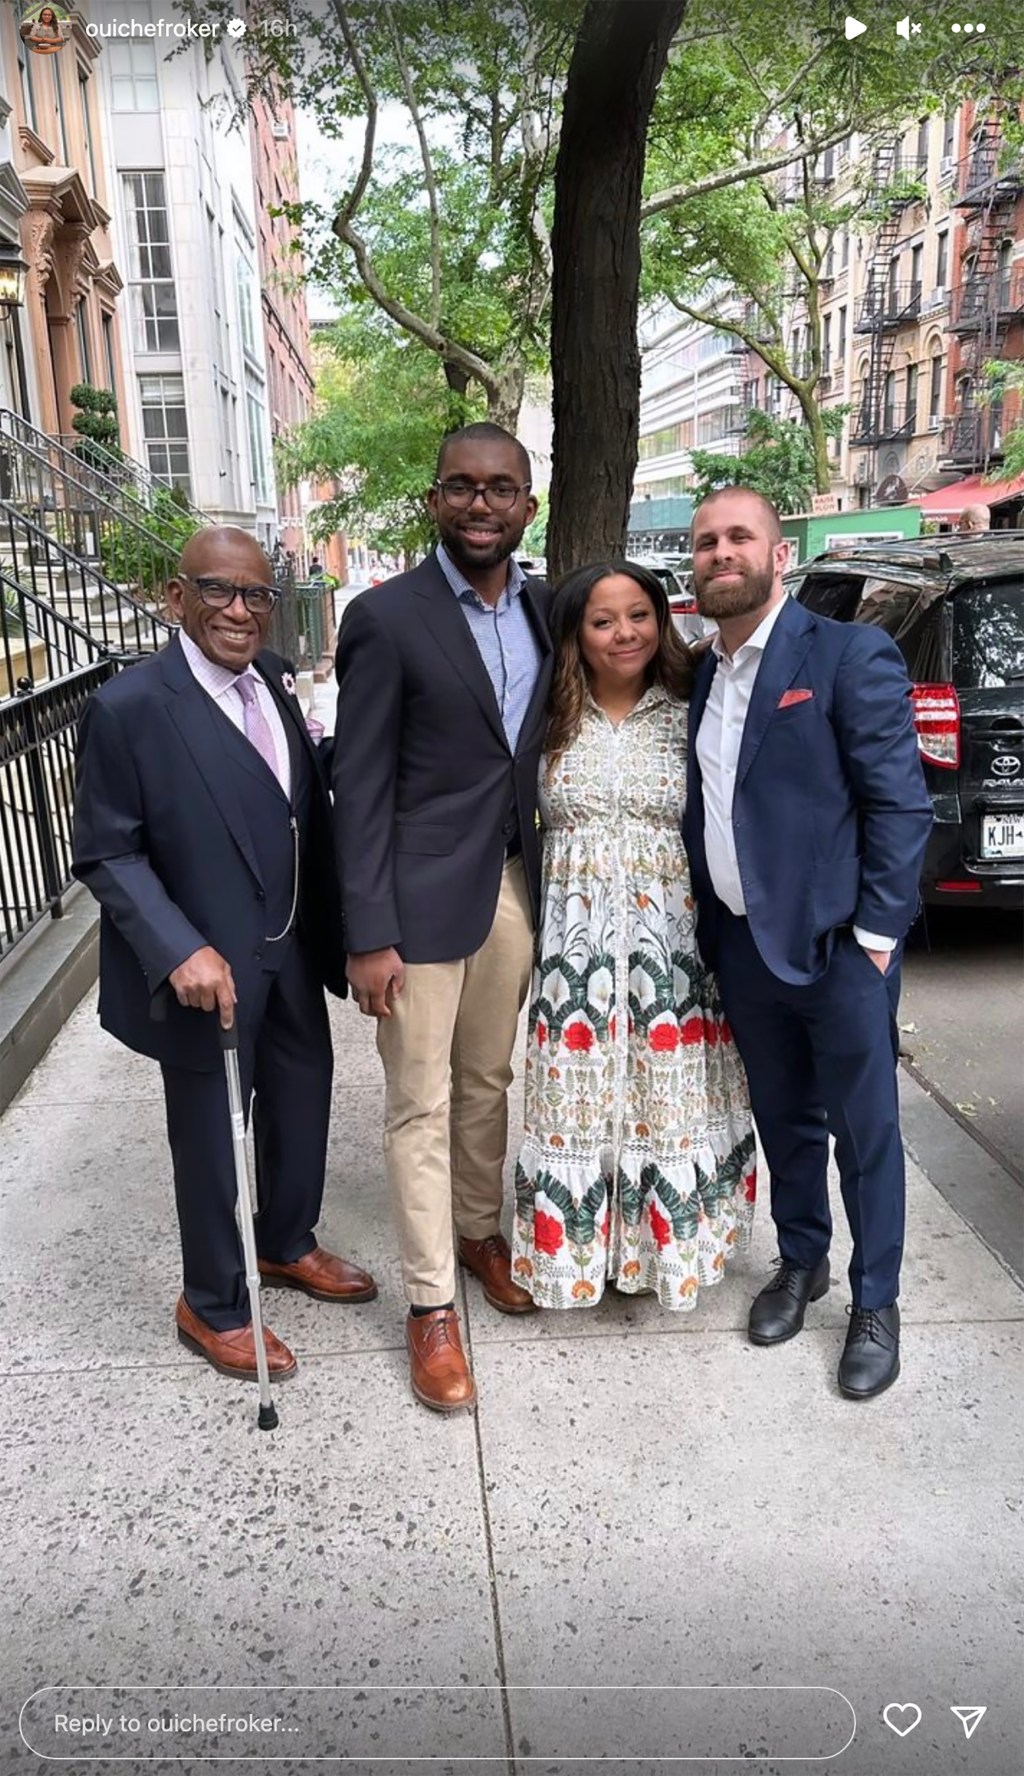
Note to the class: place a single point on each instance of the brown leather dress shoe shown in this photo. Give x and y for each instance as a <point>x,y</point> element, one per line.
<point>321,1275</point>
<point>491,1261</point>
<point>234,1352</point>
<point>438,1370</point>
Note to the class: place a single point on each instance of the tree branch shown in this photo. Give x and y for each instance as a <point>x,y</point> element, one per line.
<point>429,180</point>
<point>677,194</point>
<point>355,196</point>
<point>412,323</point>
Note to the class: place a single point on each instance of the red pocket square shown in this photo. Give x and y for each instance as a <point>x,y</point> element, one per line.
<point>790,697</point>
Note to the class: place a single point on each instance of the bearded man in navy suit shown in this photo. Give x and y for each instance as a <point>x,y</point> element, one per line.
<point>806,822</point>
<point>203,828</point>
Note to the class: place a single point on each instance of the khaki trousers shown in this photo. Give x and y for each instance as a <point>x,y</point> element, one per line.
<point>447,1053</point>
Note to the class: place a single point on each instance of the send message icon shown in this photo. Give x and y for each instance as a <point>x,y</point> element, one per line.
<point>968,1718</point>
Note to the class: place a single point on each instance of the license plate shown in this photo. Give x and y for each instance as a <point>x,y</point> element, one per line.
<point>1002,835</point>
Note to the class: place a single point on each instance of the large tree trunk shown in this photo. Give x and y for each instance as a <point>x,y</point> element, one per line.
<point>617,62</point>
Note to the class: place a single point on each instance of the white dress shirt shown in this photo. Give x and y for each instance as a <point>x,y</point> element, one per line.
<point>719,739</point>
<point>220,683</point>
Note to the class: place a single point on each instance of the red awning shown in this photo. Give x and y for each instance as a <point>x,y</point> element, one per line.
<point>949,502</point>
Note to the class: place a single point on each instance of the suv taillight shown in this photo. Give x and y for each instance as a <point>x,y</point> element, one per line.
<point>937,720</point>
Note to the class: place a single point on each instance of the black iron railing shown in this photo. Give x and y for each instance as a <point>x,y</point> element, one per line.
<point>82,519</point>
<point>49,573</point>
<point>86,475</point>
<point>127,471</point>
<point>37,779</point>
<point>302,625</point>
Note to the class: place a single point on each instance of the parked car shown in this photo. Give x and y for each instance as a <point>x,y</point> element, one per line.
<point>678,583</point>
<point>955,608</point>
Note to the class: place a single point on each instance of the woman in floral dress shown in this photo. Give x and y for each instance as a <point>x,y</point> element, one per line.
<point>638,1160</point>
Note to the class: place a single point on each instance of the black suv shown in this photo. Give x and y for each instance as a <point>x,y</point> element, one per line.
<point>955,608</point>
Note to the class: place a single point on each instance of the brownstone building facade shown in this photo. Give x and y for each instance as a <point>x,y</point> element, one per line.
<point>68,331</point>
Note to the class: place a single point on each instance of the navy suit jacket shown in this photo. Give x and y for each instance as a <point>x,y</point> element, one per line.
<point>830,811</point>
<point>162,841</point>
<point>427,792</point>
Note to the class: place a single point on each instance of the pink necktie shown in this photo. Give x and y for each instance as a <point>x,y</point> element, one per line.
<point>257,727</point>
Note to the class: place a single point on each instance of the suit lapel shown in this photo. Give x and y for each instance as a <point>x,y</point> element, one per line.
<point>444,617</point>
<point>701,689</point>
<point>300,742</point>
<point>786,649</point>
<point>200,725</point>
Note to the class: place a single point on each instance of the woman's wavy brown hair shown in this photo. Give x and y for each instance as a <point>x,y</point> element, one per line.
<point>672,665</point>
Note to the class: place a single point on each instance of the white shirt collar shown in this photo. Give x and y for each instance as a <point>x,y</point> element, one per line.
<point>755,643</point>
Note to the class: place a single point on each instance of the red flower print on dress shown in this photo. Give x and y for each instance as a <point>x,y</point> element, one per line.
<point>578,1037</point>
<point>605,1225</point>
<point>750,1185</point>
<point>724,1032</point>
<point>710,1032</point>
<point>664,1038</point>
<point>661,1229</point>
<point>542,1033</point>
<point>692,1032</point>
<point>547,1233</point>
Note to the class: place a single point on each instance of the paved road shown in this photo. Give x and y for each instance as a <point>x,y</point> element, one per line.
<point>964,1026</point>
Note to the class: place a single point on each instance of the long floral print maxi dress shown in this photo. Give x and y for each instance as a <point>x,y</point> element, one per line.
<point>638,1160</point>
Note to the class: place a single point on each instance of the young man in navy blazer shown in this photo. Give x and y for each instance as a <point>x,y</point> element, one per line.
<point>806,822</point>
<point>203,828</point>
<point>443,675</point>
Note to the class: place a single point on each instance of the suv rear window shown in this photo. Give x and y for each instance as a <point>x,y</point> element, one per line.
<point>988,635</point>
<point>908,612</point>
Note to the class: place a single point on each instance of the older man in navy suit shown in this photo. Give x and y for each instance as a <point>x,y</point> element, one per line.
<point>202,826</point>
<point>806,823</point>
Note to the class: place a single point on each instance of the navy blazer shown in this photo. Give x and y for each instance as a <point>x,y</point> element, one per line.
<point>426,789</point>
<point>161,839</point>
<point>830,811</point>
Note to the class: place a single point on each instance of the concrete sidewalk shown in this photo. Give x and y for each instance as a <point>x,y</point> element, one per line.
<point>642,1500</point>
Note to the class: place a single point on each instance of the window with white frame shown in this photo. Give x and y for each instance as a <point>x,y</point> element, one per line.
<point>246,299</point>
<point>134,81</point>
<point>165,429</point>
<point>153,298</point>
<point>259,449</point>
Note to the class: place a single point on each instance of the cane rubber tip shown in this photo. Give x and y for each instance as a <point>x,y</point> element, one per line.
<point>268,1418</point>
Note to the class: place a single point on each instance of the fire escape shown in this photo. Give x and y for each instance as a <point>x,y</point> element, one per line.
<point>886,306</point>
<point>990,297</point>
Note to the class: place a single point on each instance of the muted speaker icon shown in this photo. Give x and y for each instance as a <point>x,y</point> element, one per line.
<point>906,27</point>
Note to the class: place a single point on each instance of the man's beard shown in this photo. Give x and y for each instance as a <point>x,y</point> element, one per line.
<point>720,601</point>
<point>503,547</point>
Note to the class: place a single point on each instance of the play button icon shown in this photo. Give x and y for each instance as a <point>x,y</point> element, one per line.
<point>853,27</point>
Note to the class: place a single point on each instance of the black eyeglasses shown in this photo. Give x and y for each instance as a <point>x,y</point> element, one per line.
<point>218,594</point>
<point>500,496</point>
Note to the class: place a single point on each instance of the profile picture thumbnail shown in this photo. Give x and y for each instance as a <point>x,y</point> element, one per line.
<point>45,28</point>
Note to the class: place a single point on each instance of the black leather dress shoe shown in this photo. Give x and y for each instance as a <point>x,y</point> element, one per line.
<point>871,1355</point>
<point>778,1312</point>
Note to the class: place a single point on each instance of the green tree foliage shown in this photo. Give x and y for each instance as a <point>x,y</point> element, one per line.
<point>749,258</point>
<point>381,410</point>
<point>777,460</point>
<point>143,556</point>
<point>1005,376</point>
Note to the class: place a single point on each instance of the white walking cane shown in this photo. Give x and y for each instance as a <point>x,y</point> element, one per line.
<point>229,1044</point>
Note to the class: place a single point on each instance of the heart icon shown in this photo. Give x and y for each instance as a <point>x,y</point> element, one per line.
<point>902,1717</point>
